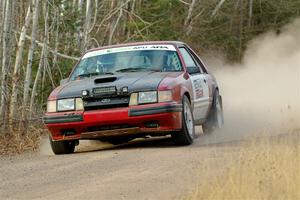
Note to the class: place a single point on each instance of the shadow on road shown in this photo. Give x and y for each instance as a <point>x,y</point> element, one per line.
<point>159,142</point>
<point>156,142</point>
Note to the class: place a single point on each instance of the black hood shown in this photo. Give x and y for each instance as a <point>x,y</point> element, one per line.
<point>135,81</point>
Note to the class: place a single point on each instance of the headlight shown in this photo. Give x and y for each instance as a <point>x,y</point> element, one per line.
<point>65,104</point>
<point>165,96</point>
<point>150,97</point>
<point>147,97</point>
<point>51,106</point>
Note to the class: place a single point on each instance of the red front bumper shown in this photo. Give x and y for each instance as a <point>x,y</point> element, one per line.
<point>166,115</point>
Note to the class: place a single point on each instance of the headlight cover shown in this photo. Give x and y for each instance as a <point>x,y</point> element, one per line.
<point>79,104</point>
<point>51,106</point>
<point>147,97</point>
<point>65,104</point>
<point>150,97</point>
<point>165,96</point>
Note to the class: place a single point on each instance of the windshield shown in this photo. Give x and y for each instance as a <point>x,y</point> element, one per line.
<point>111,61</point>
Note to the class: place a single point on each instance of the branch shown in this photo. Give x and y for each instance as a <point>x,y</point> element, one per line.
<point>40,44</point>
<point>95,17</point>
<point>115,26</point>
<point>186,3</point>
<point>111,14</point>
<point>217,8</point>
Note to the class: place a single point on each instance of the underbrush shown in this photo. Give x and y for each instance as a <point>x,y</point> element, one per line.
<point>263,168</point>
<point>17,142</point>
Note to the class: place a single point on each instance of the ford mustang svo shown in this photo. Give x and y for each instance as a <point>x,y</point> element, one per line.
<point>122,92</point>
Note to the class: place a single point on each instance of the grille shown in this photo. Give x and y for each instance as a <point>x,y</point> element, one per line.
<point>105,103</point>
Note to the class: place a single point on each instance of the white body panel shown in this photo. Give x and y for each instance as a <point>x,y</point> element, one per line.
<point>201,96</point>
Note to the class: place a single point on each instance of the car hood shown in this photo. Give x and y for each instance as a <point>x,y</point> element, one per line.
<point>135,81</point>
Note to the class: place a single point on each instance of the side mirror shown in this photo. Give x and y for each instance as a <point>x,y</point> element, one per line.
<point>63,81</point>
<point>193,70</point>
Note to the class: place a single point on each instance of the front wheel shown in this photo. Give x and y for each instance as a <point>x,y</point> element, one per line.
<point>215,118</point>
<point>187,135</point>
<point>63,147</point>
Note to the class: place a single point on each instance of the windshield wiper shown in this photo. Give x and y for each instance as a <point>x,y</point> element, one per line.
<point>94,74</point>
<point>136,69</point>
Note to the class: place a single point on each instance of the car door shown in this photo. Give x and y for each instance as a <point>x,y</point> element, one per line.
<point>199,85</point>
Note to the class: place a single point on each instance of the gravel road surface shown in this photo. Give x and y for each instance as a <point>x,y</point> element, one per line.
<point>141,169</point>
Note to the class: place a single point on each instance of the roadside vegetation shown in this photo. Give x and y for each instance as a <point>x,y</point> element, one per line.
<point>261,168</point>
<point>18,142</point>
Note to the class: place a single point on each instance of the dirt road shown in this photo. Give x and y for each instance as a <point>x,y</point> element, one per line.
<point>145,169</point>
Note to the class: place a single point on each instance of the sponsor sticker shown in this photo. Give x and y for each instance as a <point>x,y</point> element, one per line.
<point>198,88</point>
<point>129,48</point>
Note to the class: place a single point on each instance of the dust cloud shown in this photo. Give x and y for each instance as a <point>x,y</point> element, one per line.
<point>262,94</point>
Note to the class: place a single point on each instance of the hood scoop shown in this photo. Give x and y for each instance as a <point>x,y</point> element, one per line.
<point>105,80</point>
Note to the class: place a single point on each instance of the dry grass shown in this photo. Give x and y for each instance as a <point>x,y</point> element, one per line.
<point>18,142</point>
<point>262,168</point>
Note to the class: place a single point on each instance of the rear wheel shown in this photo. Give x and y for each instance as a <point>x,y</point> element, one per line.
<point>215,118</point>
<point>63,147</point>
<point>187,135</point>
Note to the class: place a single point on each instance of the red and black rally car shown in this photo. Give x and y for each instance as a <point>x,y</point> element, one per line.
<point>121,92</point>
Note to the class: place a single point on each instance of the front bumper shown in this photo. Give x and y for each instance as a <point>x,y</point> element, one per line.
<point>114,122</point>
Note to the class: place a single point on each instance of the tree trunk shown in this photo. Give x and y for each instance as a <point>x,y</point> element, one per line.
<point>115,27</point>
<point>241,28</point>
<point>41,63</point>
<point>250,13</point>
<point>87,24</point>
<point>27,80</point>
<point>18,62</point>
<point>111,22</point>
<point>217,8</point>
<point>80,28</point>
<point>56,42</point>
<point>5,61</point>
<point>188,19</point>
<point>3,3</point>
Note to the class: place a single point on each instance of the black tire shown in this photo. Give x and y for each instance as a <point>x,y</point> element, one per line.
<point>185,137</point>
<point>63,147</point>
<point>215,117</point>
<point>119,140</point>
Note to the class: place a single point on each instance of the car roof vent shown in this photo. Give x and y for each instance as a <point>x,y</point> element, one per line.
<point>105,80</point>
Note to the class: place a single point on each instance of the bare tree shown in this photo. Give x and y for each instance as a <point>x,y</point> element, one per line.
<point>19,57</point>
<point>188,19</point>
<point>112,31</point>
<point>56,42</point>
<point>80,28</point>
<point>241,28</point>
<point>41,63</point>
<point>5,60</point>
<point>217,8</point>
<point>250,13</point>
<point>87,23</point>
<point>111,21</point>
<point>27,80</point>
<point>2,9</point>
